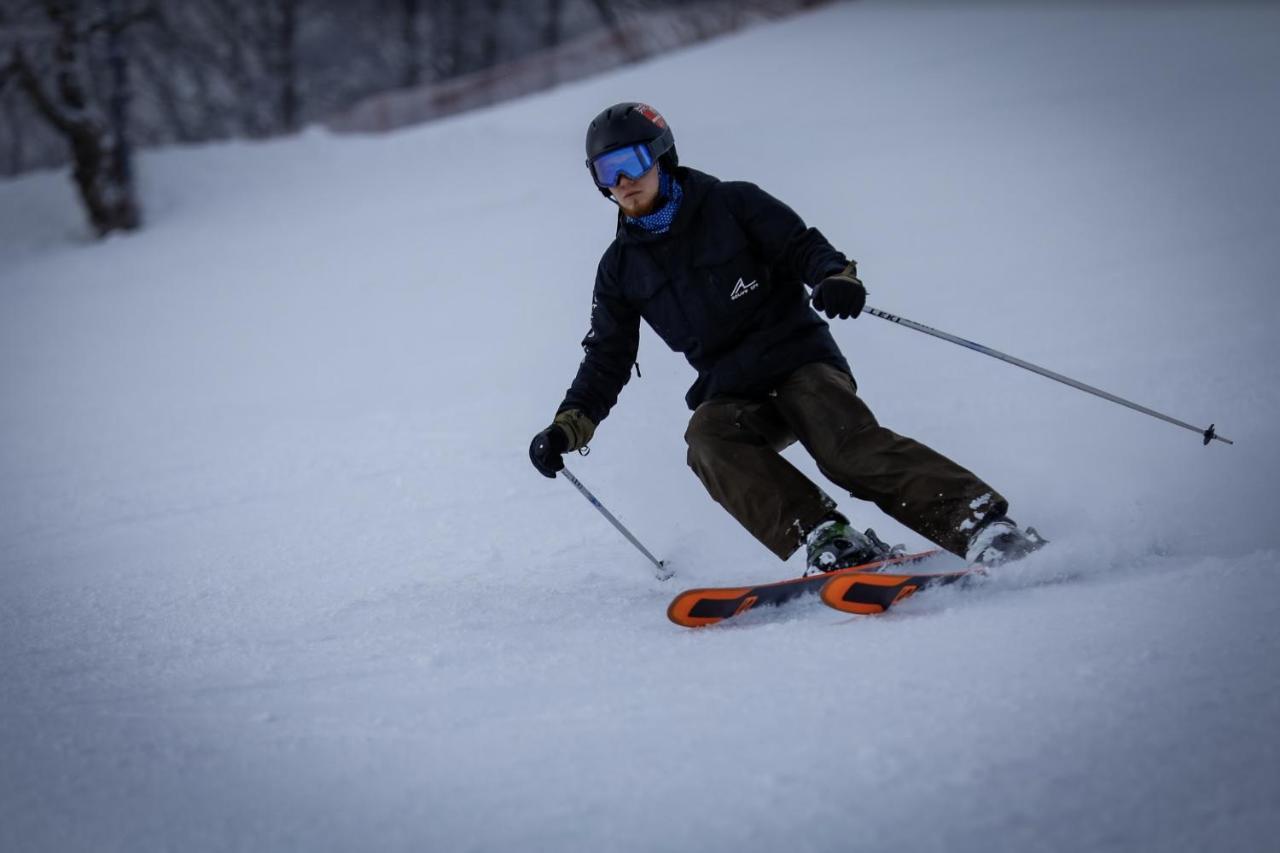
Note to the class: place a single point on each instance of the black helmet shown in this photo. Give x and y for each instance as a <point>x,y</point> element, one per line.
<point>631,123</point>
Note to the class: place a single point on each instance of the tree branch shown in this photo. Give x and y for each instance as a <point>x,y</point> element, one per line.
<point>146,14</point>
<point>8,71</point>
<point>40,99</point>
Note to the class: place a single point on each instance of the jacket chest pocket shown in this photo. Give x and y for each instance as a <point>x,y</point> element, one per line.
<point>651,291</point>
<point>664,312</point>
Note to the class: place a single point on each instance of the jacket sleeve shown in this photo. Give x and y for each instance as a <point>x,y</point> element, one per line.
<point>610,350</point>
<point>779,230</point>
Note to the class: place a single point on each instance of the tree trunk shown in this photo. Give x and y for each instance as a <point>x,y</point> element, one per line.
<point>458,38</point>
<point>121,162</point>
<point>287,64</point>
<point>552,33</point>
<point>489,51</point>
<point>14,154</point>
<point>411,42</point>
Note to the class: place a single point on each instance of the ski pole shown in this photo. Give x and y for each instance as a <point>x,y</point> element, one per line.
<point>1207,434</point>
<point>661,572</point>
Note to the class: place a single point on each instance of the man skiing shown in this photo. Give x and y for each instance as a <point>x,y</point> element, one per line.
<point>718,269</point>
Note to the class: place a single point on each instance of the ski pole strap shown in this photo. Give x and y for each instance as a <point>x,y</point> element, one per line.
<point>1207,434</point>
<point>660,569</point>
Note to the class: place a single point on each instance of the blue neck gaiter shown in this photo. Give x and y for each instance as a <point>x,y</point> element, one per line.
<point>659,222</point>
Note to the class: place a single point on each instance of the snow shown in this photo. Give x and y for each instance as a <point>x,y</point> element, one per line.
<point>275,572</point>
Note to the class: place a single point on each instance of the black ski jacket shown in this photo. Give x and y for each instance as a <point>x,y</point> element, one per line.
<point>724,286</point>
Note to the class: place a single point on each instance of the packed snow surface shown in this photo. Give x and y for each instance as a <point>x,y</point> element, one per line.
<point>275,572</point>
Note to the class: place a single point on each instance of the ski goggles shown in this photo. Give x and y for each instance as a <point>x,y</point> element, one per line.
<point>632,161</point>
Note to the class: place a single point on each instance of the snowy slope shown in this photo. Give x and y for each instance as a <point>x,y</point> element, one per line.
<point>275,572</point>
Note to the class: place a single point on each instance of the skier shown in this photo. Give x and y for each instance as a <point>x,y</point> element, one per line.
<point>718,269</point>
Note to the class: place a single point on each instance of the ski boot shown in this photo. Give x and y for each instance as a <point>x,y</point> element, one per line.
<point>835,544</point>
<point>999,540</point>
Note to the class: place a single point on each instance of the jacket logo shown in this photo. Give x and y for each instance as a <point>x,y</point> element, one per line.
<point>742,288</point>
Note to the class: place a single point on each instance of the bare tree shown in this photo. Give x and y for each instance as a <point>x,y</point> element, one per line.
<point>411,42</point>
<point>489,45</point>
<point>52,69</point>
<point>13,155</point>
<point>283,44</point>
<point>553,30</point>
<point>450,37</point>
<point>552,34</point>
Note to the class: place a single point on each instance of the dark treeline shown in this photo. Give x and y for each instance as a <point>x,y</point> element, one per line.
<point>83,81</point>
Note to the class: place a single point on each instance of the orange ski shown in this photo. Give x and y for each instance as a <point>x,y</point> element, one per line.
<point>696,608</point>
<point>869,594</point>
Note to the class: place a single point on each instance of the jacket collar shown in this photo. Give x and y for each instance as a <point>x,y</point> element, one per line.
<point>695,185</point>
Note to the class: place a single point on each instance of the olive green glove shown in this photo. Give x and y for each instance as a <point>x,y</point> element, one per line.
<point>577,427</point>
<point>570,430</point>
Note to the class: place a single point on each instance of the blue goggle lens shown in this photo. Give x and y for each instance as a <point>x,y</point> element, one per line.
<point>632,161</point>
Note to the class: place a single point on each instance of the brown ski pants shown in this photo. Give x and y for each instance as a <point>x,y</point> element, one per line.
<point>735,444</point>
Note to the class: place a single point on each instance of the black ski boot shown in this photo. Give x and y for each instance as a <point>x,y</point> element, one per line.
<point>835,544</point>
<point>999,540</point>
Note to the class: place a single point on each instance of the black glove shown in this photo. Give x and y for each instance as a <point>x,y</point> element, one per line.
<point>841,295</point>
<point>546,449</point>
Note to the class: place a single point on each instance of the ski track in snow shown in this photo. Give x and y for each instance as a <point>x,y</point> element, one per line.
<point>275,573</point>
